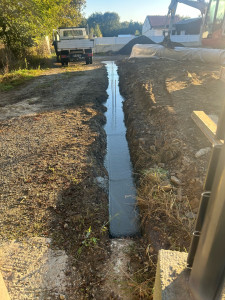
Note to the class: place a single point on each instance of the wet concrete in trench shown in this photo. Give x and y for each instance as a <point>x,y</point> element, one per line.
<point>123,214</point>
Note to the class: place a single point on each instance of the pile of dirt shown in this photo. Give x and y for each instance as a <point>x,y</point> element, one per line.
<point>139,40</point>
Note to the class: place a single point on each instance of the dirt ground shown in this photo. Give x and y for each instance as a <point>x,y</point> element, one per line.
<point>160,97</point>
<point>54,241</point>
<point>54,210</point>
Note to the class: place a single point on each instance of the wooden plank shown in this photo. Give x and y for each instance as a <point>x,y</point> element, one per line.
<point>207,126</point>
<point>222,74</point>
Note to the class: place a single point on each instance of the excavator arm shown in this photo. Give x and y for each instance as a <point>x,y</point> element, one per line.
<point>199,4</point>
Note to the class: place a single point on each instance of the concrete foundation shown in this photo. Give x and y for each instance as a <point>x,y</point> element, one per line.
<point>172,276</point>
<point>3,290</point>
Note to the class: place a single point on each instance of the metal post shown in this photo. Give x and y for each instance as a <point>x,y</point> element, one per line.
<point>208,271</point>
<point>198,227</point>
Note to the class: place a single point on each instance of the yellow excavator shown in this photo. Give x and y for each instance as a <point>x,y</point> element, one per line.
<point>213,27</point>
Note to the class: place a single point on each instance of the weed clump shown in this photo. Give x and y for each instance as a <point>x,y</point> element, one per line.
<point>162,206</point>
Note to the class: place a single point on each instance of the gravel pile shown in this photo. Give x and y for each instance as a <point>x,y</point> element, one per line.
<point>139,40</point>
<point>126,50</point>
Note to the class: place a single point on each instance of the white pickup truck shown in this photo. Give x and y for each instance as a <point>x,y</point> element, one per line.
<point>73,43</point>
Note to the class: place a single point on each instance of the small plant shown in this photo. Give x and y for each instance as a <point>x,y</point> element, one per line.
<point>89,240</point>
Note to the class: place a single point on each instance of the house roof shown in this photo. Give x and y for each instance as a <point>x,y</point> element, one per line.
<point>188,21</point>
<point>161,21</point>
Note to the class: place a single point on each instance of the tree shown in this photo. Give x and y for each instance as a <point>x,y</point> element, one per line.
<point>97,31</point>
<point>110,25</point>
<point>108,22</point>
<point>26,21</point>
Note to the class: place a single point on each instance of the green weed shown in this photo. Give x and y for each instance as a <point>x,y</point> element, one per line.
<point>15,78</point>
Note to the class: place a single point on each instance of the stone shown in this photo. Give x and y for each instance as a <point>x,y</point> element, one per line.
<point>102,182</point>
<point>153,148</point>
<point>202,152</point>
<point>175,180</point>
<point>190,215</point>
<point>141,141</point>
<point>161,165</point>
<point>194,203</point>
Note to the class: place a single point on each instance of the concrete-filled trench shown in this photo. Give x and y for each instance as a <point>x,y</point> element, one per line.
<point>123,214</point>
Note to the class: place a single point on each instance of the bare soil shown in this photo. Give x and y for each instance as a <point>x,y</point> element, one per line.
<point>160,96</point>
<point>54,209</point>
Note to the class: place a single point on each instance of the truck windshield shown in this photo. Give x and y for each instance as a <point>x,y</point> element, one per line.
<point>72,33</point>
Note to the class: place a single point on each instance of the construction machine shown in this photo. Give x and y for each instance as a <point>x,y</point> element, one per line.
<point>213,14</point>
<point>213,29</point>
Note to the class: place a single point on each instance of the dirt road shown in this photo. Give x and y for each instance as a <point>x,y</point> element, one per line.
<point>53,212</point>
<point>54,209</point>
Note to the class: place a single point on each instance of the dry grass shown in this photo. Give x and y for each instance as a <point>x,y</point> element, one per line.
<point>163,211</point>
<point>161,203</point>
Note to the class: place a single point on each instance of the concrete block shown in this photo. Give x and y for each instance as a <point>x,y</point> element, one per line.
<point>172,276</point>
<point>3,290</point>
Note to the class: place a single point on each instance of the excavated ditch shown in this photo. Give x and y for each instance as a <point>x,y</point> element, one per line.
<point>123,215</point>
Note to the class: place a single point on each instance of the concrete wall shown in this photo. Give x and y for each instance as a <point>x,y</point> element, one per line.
<point>186,40</point>
<point>106,44</point>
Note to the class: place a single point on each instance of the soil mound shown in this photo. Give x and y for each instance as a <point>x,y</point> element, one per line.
<point>169,44</point>
<point>139,40</point>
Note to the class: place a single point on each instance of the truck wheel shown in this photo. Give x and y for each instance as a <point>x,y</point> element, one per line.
<point>87,60</point>
<point>90,60</point>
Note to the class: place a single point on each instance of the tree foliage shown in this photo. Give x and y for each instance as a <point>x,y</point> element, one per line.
<point>25,21</point>
<point>110,25</point>
<point>107,22</point>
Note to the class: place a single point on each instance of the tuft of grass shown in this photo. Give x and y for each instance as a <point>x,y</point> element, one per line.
<point>165,209</point>
<point>12,79</point>
<point>165,212</point>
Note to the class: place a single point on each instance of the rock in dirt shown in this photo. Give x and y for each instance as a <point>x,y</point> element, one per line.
<point>202,152</point>
<point>194,203</point>
<point>190,215</point>
<point>102,182</point>
<point>175,180</point>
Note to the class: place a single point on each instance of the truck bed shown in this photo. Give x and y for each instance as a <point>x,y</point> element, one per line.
<point>71,44</point>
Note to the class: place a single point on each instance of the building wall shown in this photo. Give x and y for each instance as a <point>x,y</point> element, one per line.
<point>113,40</point>
<point>146,26</point>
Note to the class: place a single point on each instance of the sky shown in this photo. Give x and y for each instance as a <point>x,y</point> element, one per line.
<point>136,10</point>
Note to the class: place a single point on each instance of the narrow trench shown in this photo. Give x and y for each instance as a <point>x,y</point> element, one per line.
<point>123,214</point>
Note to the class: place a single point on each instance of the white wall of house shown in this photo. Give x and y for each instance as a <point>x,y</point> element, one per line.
<point>157,36</point>
<point>146,26</point>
